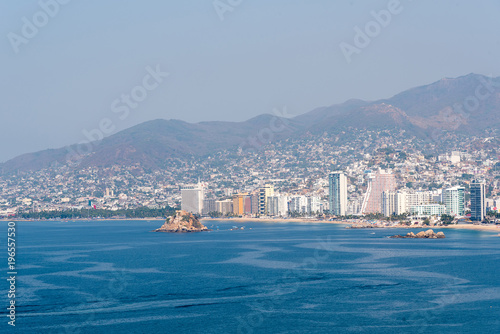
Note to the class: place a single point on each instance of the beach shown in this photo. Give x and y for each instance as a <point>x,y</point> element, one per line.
<point>491,228</point>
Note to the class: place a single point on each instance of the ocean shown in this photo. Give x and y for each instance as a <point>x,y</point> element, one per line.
<point>118,277</point>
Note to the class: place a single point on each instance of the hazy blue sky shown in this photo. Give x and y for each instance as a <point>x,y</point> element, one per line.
<point>264,54</point>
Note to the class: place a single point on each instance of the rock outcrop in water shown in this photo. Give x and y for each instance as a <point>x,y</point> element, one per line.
<point>182,222</point>
<point>429,234</point>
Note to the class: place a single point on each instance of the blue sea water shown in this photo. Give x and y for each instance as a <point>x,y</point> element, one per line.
<point>118,277</point>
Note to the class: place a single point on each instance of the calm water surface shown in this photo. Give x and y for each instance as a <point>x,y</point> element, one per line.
<point>117,277</point>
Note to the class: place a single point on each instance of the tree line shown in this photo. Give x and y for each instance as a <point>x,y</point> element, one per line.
<point>140,212</point>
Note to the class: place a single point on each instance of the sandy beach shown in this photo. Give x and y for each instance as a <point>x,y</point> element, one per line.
<point>491,228</point>
<point>273,220</point>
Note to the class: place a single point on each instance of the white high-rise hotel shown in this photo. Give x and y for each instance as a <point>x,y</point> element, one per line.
<point>394,203</point>
<point>192,197</point>
<point>454,199</point>
<point>399,202</point>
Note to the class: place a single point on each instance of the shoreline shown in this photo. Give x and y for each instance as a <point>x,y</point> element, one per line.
<point>80,219</point>
<point>488,228</point>
<point>491,228</point>
<point>272,220</point>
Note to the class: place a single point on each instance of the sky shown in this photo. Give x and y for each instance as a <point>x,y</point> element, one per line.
<point>73,71</point>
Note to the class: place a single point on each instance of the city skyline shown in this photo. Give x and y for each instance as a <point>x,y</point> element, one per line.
<point>236,172</point>
<point>231,166</point>
<point>416,203</point>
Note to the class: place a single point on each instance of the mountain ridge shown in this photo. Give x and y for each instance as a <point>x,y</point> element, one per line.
<point>467,103</point>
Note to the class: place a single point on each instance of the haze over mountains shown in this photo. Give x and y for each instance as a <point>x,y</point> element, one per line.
<point>470,104</point>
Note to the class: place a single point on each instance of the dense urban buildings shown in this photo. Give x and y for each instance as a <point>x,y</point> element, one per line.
<point>408,201</point>
<point>298,171</point>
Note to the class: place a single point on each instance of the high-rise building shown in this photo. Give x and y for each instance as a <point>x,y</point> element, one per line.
<point>337,186</point>
<point>377,184</point>
<point>454,199</point>
<point>277,205</point>
<point>354,206</point>
<point>399,202</point>
<point>272,205</point>
<point>298,204</point>
<point>247,204</point>
<point>427,210</point>
<point>255,202</point>
<point>419,198</point>
<point>477,201</point>
<point>208,206</point>
<point>314,205</point>
<point>192,198</point>
<point>239,204</point>
<point>264,193</point>
<point>225,206</point>
<point>389,203</point>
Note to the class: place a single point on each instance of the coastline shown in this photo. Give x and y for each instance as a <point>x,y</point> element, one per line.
<point>273,220</point>
<point>490,228</point>
<point>81,219</point>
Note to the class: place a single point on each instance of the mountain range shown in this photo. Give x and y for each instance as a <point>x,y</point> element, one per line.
<point>469,104</point>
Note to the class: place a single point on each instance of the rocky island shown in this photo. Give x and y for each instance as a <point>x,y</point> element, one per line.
<point>429,234</point>
<point>182,222</point>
